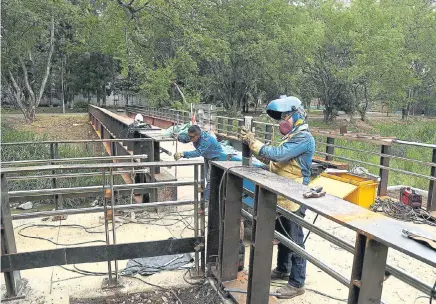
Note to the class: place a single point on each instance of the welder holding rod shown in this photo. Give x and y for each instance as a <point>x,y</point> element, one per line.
<point>206,146</point>
<point>291,158</point>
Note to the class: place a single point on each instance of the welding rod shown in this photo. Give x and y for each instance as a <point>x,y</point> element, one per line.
<point>246,152</point>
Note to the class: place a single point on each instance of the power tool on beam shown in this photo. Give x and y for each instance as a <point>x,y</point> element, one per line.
<point>409,197</point>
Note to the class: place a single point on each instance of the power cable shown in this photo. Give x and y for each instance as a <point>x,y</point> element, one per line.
<point>402,212</point>
<point>53,242</point>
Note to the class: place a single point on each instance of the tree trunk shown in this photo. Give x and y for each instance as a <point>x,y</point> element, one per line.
<point>104,95</point>
<point>365,108</point>
<point>62,86</point>
<point>98,97</point>
<point>29,106</point>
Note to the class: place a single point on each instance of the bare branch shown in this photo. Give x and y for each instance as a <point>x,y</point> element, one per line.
<point>17,95</point>
<point>26,81</point>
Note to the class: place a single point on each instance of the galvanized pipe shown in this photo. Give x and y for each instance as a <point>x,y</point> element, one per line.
<point>15,194</point>
<point>78,141</point>
<point>302,252</point>
<point>129,207</point>
<point>114,238</point>
<point>202,217</point>
<point>196,261</point>
<point>76,159</point>
<point>28,177</point>
<point>106,224</point>
<point>379,166</point>
<point>100,166</point>
<point>379,154</point>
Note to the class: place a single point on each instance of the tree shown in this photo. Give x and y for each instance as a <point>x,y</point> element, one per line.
<point>27,50</point>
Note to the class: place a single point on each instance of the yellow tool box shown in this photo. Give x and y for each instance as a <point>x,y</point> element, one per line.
<point>355,189</point>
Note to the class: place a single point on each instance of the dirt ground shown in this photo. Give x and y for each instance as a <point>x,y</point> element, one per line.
<point>55,126</point>
<point>192,295</point>
<point>55,282</point>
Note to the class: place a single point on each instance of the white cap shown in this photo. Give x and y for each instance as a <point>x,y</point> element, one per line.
<point>139,118</point>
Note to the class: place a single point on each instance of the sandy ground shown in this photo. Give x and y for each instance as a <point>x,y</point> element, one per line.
<point>48,285</point>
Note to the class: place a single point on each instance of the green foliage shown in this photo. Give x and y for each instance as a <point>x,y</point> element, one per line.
<point>81,105</point>
<point>230,52</point>
<point>42,151</point>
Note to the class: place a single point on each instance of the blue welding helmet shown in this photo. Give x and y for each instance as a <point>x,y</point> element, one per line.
<point>285,104</point>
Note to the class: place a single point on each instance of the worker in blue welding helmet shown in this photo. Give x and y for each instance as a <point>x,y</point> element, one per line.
<point>291,158</point>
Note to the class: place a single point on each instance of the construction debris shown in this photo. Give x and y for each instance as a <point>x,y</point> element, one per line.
<point>402,212</point>
<point>26,206</point>
<point>200,294</point>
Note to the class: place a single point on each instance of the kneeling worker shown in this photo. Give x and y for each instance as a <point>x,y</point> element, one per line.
<point>205,145</point>
<point>292,158</point>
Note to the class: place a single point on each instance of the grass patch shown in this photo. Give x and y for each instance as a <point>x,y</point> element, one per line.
<point>19,133</point>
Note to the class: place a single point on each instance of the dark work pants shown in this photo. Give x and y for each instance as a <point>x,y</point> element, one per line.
<point>287,260</point>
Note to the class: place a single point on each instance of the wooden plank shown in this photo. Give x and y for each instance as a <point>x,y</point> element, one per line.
<point>374,225</point>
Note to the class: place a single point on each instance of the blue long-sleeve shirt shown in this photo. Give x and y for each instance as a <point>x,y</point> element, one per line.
<point>300,147</point>
<point>206,146</point>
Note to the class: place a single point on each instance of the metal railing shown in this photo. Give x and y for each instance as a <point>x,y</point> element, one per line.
<point>374,235</point>
<point>12,261</point>
<point>227,127</point>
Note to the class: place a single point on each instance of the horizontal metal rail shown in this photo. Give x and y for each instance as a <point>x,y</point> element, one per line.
<point>398,141</point>
<point>78,141</point>
<point>98,253</point>
<point>379,154</point>
<point>101,166</point>
<point>71,175</point>
<point>93,189</point>
<point>129,207</point>
<point>379,166</point>
<point>396,272</point>
<point>302,252</point>
<point>412,143</point>
<point>76,159</point>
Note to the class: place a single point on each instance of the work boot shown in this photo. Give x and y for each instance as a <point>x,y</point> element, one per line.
<point>289,292</point>
<point>277,275</point>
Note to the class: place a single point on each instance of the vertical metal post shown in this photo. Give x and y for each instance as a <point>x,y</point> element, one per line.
<point>431,200</point>
<point>330,149</point>
<point>13,278</point>
<point>210,117</point>
<point>106,224</point>
<point>264,213</point>
<point>197,269</point>
<point>114,239</point>
<point>202,217</point>
<point>268,133</point>
<point>53,180</point>
<point>156,152</point>
<point>368,271</point>
<point>246,152</point>
<point>213,222</point>
<point>384,173</point>
<point>229,126</point>
<point>220,125</point>
<point>229,242</point>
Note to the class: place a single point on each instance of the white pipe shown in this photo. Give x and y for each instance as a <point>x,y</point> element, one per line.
<point>417,190</point>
